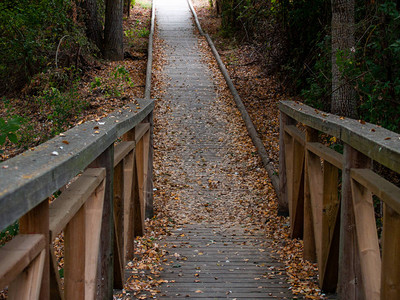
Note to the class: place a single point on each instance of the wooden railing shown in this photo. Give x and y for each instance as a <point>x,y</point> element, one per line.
<point>330,198</point>
<point>102,170</point>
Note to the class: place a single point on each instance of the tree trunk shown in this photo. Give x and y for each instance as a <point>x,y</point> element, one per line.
<point>343,94</point>
<point>113,32</point>
<point>94,30</point>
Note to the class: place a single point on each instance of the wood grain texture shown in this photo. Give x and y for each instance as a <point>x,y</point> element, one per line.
<point>373,141</point>
<point>37,221</point>
<point>35,175</point>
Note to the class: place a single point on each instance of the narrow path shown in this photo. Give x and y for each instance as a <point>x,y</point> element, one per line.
<point>216,251</point>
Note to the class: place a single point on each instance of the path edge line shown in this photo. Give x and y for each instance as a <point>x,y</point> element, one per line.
<point>272,173</point>
<point>147,91</point>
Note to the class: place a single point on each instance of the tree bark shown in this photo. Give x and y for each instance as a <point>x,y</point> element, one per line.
<point>94,30</point>
<point>343,94</point>
<point>113,31</point>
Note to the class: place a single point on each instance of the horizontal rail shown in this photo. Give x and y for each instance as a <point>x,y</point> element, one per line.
<point>383,189</point>
<point>34,175</point>
<point>373,141</point>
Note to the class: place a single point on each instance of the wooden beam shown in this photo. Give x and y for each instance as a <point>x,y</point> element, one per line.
<point>119,255</point>
<point>373,141</point>
<point>149,185</point>
<point>140,130</point>
<point>296,133</point>
<point>390,272</point>
<point>316,184</point>
<point>350,280</point>
<point>106,253</point>
<point>94,212</point>
<point>367,239</point>
<point>71,200</point>
<point>43,173</point>
<point>283,199</point>
<point>128,206</point>
<point>309,251</point>
<point>17,254</point>
<point>27,284</point>
<point>326,154</point>
<point>37,221</point>
<point>379,186</point>
<point>121,150</point>
<point>74,256</point>
<point>329,263</point>
<point>297,194</point>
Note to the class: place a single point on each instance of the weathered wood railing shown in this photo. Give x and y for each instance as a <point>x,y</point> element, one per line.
<point>101,168</point>
<point>330,199</point>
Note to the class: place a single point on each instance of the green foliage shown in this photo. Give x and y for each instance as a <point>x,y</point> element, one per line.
<point>30,32</point>
<point>62,106</point>
<point>8,233</point>
<point>134,33</point>
<point>96,83</point>
<point>9,128</point>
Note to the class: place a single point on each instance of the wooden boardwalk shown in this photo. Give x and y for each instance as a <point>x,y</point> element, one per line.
<point>211,256</point>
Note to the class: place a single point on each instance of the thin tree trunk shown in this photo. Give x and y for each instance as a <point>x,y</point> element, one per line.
<point>94,30</point>
<point>113,31</point>
<point>343,94</point>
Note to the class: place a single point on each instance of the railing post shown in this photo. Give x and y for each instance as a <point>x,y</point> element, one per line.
<point>283,204</point>
<point>37,221</point>
<point>350,280</point>
<point>129,169</point>
<point>390,274</point>
<point>149,185</point>
<point>309,251</point>
<point>106,256</point>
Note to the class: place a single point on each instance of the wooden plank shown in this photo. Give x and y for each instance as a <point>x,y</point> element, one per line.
<point>328,267</point>
<point>316,183</point>
<point>296,133</point>
<point>148,207</point>
<point>106,251</point>
<point>149,185</point>
<point>350,284</point>
<point>128,206</point>
<point>74,256</point>
<point>326,154</point>
<point>297,194</point>
<point>367,239</point>
<point>119,255</point>
<point>27,284</point>
<point>37,221</point>
<point>34,175</point>
<point>137,215</point>
<point>309,251</point>
<point>379,186</point>
<point>283,199</point>
<point>390,272</point>
<point>373,141</point>
<point>140,168</point>
<point>71,200</point>
<point>94,210</point>
<point>17,254</point>
<point>140,130</point>
<point>121,150</point>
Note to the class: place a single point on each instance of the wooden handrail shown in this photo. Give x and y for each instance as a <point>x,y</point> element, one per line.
<point>104,184</point>
<point>26,180</point>
<point>339,232</point>
<point>373,141</point>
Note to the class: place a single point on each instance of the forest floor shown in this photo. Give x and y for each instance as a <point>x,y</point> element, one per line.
<point>59,99</point>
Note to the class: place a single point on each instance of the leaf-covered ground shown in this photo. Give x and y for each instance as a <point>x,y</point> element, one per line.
<point>255,213</point>
<point>89,89</point>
